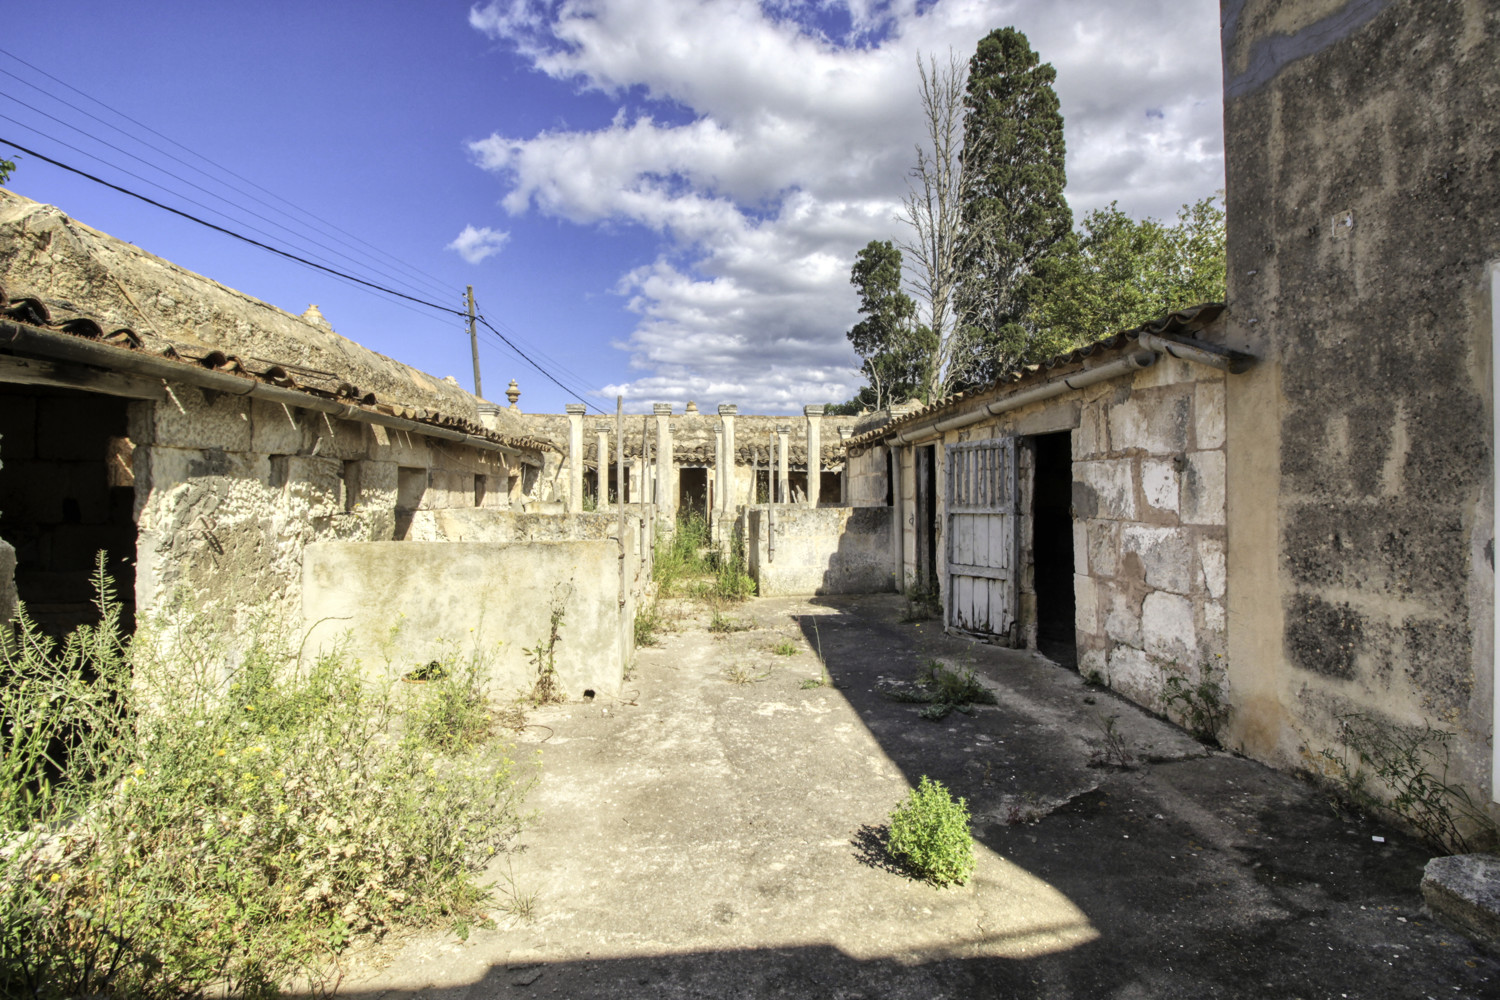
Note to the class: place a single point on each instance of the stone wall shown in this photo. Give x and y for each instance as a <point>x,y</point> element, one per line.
<point>1148,529</point>
<point>229,492</point>
<point>1362,199</point>
<point>822,550</point>
<point>397,605</point>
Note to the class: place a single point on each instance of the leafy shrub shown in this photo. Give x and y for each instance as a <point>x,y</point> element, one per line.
<point>1201,706</point>
<point>648,625</point>
<point>929,832</point>
<point>182,818</point>
<point>1404,769</point>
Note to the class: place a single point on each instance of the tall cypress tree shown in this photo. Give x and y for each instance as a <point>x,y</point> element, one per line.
<point>1013,202</point>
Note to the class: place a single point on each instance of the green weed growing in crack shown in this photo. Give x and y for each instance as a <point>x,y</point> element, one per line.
<point>929,833</point>
<point>941,689</point>
<point>1112,750</point>
<point>546,689</point>
<point>1410,765</point>
<point>1201,705</point>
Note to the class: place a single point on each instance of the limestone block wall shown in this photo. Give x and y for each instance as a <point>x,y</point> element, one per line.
<point>1149,537</point>
<point>819,550</point>
<point>229,492</point>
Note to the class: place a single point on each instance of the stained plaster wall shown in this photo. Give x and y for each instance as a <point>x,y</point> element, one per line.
<point>1148,531</point>
<point>822,550</point>
<point>1363,180</point>
<point>229,492</point>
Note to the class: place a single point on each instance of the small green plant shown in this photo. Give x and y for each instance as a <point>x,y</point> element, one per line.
<point>682,556</point>
<point>649,625</point>
<point>923,602</point>
<point>453,711</point>
<point>546,688</point>
<point>929,833</point>
<point>1201,705</point>
<point>785,647</point>
<point>1404,770</point>
<point>722,624</point>
<point>739,674</point>
<point>1112,750</point>
<point>811,683</point>
<point>941,689</point>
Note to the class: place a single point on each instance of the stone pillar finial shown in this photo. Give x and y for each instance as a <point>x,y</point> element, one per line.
<point>575,456</point>
<point>691,409</point>
<point>814,415</point>
<point>513,393</point>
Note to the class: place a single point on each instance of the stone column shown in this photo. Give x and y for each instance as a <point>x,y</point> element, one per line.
<point>575,456</point>
<point>638,479</point>
<point>603,430</point>
<point>727,413</point>
<point>718,503</point>
<point>846,479</point>
<point>666,464</point>
<point>783,477</point>
<point>814,415</point>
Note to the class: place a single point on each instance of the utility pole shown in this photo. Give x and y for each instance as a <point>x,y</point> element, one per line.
<point>474,345</point>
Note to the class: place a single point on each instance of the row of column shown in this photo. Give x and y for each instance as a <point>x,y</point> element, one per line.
<point>724,458</point>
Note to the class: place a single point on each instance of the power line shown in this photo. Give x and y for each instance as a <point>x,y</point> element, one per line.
<point>545,372</point>
<point>205,159</point>
<point>301,260</point>
<point>227,232</point>
<point>184,180</point>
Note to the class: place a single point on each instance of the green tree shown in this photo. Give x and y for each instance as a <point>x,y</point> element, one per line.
<point>896,351</point>
<point>7,167</point>
<point>1012,204</point>
<point>1120,272</point>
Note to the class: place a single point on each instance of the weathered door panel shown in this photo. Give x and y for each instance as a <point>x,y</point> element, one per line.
<point>980,494</point>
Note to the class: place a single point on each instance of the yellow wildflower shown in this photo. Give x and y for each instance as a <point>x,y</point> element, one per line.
<point>56,877</point>
<point>221,752</point>
<point>249,708</point>
<point>140,771</point>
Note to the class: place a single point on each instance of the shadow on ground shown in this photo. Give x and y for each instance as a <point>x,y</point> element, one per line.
<point>719,835</point>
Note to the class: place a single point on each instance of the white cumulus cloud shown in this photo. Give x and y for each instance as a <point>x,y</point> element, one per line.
<point>767,142</point>
<point>475,244</point>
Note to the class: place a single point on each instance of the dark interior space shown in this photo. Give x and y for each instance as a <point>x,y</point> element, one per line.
<point>927,520</point>
<point>762,485</point>
<point>796,487</point>
<point>830,489</point>
<point>890,478</point>
<point>692,490</point>
<point>1052,547</point>
<point>67,492</point>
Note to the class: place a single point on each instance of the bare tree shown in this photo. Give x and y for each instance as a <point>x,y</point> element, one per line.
<point>933,208</point>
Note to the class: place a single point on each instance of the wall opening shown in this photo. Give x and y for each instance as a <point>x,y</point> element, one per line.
<point>890,477</point>
<point>411,488</point>
<point>796,485</point>
<point>1052,548</point>
<point>831,489</point>
<point>692,491</point>
<point>927,517</point>
<point>67,492</point>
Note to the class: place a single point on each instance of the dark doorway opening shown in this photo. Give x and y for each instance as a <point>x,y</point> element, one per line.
<point>67,493</point>
<point>692,491</point>
<point>927,520</point>
<point>1052,548</point>
<point>831,489</point>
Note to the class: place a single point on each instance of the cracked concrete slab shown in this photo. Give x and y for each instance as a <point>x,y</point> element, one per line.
<point>700,837</point>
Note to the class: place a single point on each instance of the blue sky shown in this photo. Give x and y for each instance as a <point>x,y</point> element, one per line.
<point>659,198</point>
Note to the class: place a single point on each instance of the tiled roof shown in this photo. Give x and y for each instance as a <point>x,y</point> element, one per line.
<point>33,312</point>
<point>1180,322</point>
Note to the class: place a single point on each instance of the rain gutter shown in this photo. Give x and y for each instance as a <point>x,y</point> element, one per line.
<point>32,342</point>
<point>1194,351</point>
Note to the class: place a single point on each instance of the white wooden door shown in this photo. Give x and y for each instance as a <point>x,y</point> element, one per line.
<point>981,537</point>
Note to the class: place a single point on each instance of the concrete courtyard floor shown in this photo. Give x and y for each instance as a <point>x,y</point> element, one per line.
<point>716,832</point>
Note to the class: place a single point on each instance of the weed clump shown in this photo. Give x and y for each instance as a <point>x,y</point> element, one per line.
<point>941,689</point>
<point>929,833</point>
<point>188,813</point>
<point>1411,765</point>
<point>1201,704</point>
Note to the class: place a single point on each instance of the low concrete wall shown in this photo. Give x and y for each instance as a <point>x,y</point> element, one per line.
<point>822,550</point>
<point>504,592</point>
<point>470,525</point>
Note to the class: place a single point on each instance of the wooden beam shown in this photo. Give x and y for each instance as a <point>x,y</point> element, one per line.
<point>62,375</point>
